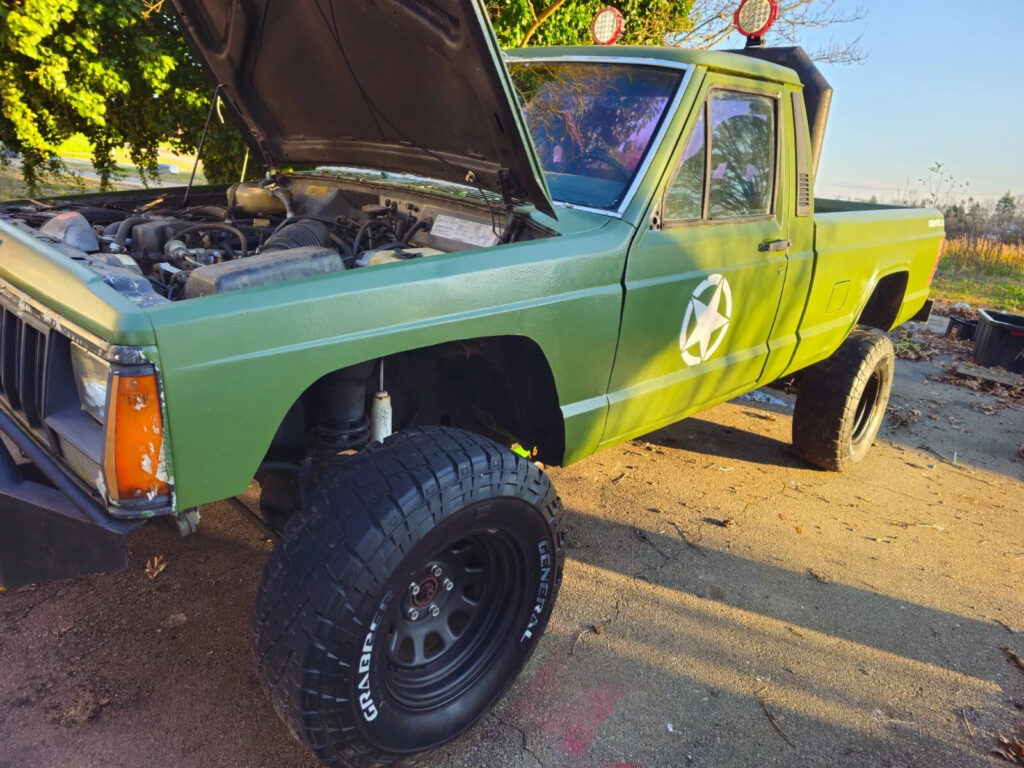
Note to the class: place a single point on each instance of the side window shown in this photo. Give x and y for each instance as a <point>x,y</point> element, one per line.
<point>684,199</point>
<point>742,155</point>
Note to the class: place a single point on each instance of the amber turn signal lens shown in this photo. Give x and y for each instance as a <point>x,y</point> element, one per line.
<point>134,458</point>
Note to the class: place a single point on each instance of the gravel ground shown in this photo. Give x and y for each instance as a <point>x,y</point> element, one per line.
<point>723,605</point>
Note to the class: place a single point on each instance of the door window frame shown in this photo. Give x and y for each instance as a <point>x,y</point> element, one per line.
<point>775,96</point>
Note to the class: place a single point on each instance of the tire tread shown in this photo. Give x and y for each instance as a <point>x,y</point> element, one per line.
<point>829,393</point>
<point>340,548</point>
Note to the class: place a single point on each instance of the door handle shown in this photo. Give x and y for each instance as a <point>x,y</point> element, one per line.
<point>773,246</point>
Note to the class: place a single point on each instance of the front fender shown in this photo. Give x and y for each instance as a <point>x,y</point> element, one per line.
<point>234,363</point>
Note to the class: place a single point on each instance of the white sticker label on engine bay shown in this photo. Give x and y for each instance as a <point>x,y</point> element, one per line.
<point>464,231</point>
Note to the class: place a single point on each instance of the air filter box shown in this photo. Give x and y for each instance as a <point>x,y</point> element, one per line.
<point>265,269</point>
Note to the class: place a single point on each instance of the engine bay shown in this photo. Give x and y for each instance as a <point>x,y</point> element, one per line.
<point>253,234</point>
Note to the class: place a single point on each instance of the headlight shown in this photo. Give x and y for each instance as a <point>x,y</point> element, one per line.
<point>92,376</point>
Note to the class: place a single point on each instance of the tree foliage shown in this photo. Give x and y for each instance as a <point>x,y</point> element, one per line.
<point>118,72</point>
<point>567,22</point>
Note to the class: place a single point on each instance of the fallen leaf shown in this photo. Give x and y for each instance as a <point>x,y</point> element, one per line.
<point>155,566</point>
<point>1012,750</point>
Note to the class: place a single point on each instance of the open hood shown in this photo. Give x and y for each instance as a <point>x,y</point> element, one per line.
<point>412,86</point>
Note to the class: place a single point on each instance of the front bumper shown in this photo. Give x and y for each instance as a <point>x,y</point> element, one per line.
<point>50,528</point>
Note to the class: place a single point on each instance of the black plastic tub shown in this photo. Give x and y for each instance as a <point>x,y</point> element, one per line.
<point>959,328</point>
<point>999,340</point>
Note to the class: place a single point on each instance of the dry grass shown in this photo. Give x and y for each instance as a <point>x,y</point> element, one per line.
<point>982,273</point>
<point>12,187</point>
<point>986,257</point>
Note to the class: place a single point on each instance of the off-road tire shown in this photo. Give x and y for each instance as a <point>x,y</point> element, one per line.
<point>842,401</point>
<point>335,646</point>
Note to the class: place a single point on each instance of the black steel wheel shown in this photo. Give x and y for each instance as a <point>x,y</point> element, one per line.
<point>452,621</point>
<point>407,595</point>
<point>842,401</point>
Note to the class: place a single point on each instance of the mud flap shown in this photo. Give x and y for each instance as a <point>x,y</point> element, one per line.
<point>924,313</point>
<point>46,537</point>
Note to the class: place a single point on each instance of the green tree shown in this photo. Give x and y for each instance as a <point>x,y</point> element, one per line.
<point>567,22</point>
<point>117,71</point>
<point>1006,207</point>
<point>120,73</point>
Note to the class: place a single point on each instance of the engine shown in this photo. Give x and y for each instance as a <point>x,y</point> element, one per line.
<point>261,234</point>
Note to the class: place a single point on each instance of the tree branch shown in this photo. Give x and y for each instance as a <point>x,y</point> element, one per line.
<point>541,18</point>
<point>714,25</point>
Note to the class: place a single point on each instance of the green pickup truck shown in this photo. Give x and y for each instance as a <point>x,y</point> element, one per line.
<point>500,261</point>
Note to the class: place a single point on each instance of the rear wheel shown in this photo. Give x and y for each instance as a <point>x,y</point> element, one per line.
<point>842,401</point>
<point>406,596</point>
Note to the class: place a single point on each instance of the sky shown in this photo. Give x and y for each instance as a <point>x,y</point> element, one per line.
<point>943,82</point>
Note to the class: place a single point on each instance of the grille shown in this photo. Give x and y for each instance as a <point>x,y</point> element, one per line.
<point>23,353</point>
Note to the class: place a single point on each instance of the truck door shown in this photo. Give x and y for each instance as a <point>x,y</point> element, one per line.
<point>704,280</point>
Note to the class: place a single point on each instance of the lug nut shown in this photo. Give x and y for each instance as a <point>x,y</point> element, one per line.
<point>434,610</point>
<point>414,589</point>
<point>448,585</point>
<point>437,571</point>
<point>413,614</point>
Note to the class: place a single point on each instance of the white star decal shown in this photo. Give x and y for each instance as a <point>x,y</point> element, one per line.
<point>707,317</point>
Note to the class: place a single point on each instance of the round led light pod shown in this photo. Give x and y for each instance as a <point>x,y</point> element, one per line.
<point>606,27</point>
<point>755,17</point>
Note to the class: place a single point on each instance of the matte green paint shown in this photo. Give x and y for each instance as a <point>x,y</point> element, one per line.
<point>70,290</point>
<point>604,301</point>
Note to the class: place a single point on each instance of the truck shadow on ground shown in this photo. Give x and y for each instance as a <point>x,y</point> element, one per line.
<point>867,673</point>
<point>708,438</point>
<point>933,439</point>
<point>792,598</point>
<point>690,637</point>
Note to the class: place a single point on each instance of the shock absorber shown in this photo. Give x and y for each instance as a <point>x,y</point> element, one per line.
<point>343,424</point>
<point>380,411</point>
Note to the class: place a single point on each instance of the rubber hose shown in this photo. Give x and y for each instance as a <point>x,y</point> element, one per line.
<point>125,228</point>
<point>286,198</point>
<point>300,234</point>
<point>411,232</point>
<point>220,228</point>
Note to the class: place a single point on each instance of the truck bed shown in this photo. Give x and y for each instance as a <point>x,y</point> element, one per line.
<point>857,245</point>
<point>825,205</point>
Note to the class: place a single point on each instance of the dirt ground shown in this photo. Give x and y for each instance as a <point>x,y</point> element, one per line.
<point>723,605</point>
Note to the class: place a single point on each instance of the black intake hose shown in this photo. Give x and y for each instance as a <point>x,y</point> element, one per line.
<point>125,229</point>
<point>301,234</point>
<point>220,227</point>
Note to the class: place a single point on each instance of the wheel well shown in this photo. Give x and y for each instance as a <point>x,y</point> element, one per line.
<point>498,386</point>
<point>884,304</point>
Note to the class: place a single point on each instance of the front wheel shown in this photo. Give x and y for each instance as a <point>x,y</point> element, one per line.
<point>407,595</point>
<point>842,401</point>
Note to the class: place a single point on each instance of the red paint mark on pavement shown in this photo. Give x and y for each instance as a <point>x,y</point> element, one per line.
<point>540,688</point>
<point>565,710</point>
<point>584,727</point>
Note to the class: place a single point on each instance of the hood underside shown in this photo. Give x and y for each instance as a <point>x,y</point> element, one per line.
<point>413,86</point>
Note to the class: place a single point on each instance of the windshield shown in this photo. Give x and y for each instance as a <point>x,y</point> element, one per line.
<point>592,123</point>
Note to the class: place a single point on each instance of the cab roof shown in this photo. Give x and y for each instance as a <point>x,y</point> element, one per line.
<point>729,62</point>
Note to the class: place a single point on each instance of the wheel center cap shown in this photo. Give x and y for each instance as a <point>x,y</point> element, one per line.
<point>428,591</point>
